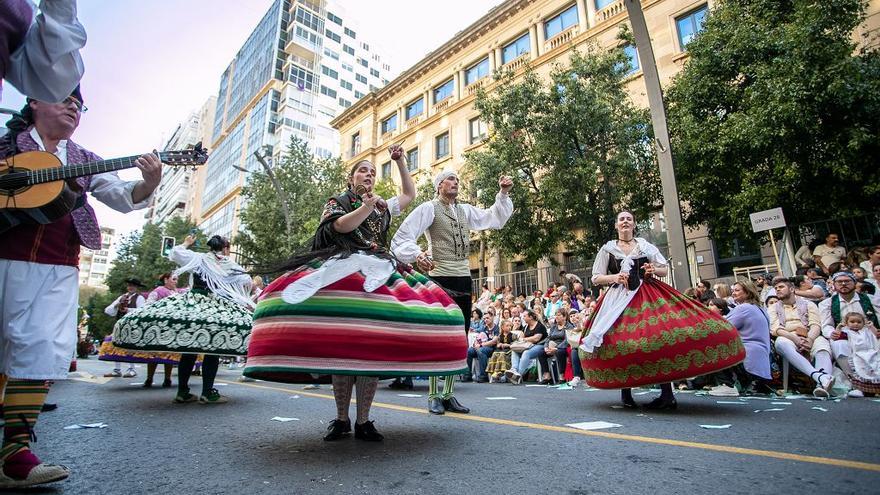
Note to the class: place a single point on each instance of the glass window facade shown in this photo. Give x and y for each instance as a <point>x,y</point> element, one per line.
<point>390,123</point>
<point>566,19</point>
<point>415,108</point>
<point>689,25</point>
<point>515,49</point>
<point>443,91</point>
<point>476,72</point>
<point>441,146</point>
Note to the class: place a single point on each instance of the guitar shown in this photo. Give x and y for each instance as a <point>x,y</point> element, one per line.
<point>36,188</point>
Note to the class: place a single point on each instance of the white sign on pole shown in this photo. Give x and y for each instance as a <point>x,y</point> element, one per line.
<point>767,219</point>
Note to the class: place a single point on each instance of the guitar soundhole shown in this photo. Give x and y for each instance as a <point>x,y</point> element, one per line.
<point>10,194</point>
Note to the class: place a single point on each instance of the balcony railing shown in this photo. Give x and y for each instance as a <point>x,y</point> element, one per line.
<point>472,88</point>
<point>520,61</point>
<point>610,11</point>
<point>414,121</point>
<point>443,105</point>
<point>561,39</point>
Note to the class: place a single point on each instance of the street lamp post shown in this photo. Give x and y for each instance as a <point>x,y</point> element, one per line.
<point>285,208</point>
<point>675,232</point>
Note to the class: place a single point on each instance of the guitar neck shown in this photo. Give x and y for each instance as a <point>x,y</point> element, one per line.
<point>83,169</point>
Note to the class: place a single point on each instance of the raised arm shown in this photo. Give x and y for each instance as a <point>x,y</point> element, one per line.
<point>404,245</point>
<point>408,187</point>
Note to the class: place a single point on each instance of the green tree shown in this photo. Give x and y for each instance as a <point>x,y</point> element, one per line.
<point>578,150</point>
<point>139,254</point>
<point>777,106</point>
<point>307,182</point>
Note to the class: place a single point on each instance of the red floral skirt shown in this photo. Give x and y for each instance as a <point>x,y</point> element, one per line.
<point>661,336</point>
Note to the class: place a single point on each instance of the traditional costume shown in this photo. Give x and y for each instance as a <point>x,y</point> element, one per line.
<point>448,228</point>
<point>648,333</point>
<point>212,318</point>
<point>351,310</point>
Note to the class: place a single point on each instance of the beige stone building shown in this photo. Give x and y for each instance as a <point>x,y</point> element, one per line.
<point>429,108</point>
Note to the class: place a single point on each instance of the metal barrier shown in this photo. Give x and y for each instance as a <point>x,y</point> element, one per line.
<point>749,272</point>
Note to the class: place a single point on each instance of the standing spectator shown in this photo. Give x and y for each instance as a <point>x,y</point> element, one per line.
<point>804,256</point>
<point>569,279</point>
<point>829,253</point>
<point>722,291</point>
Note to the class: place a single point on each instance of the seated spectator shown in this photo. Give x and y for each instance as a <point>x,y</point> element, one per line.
<point>567,300</point>
<point>485,298</point>
<point>795,324</point>
<point>829,253</point>
<point>866,288</point>
<point>573,340</point>
<point>771,301</point>
<point>764,285</point>
<point>859,273</point>
<point>803,287</point>
<point>500,360</point>
<point>691,292</point>
<point>818,278</point>
<point>719,306</point>
<point>555,345</point>
<point>704,292</point>
<point>873,259</point>
<point>874,277</point>
<point>722,291</point>
<point>516,329</point>
<point>804,256</point>
<point>539,313</point>
<point>845,300</point>
<point>534,334</point>
<point>751,322</point>
<point>483,347</point>
<point>864,363</point>
<point>553,305</point>
<point>537,298</point>
<point>476,321</point>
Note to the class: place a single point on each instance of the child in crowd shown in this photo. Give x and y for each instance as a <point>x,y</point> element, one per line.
<point>864,361</point>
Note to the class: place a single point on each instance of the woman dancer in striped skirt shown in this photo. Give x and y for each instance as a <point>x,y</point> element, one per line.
<point>347,309</point>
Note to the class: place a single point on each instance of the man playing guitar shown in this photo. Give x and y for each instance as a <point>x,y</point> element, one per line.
<point>39,280</point>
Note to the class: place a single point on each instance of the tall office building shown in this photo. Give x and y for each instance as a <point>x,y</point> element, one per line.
<point>302,65</point>
<point>178,188</point>
<point>95,263</point>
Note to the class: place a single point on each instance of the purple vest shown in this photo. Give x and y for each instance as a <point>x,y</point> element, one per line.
<point>84,220</point>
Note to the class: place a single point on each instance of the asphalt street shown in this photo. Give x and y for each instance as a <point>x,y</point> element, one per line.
<point>516,440</point>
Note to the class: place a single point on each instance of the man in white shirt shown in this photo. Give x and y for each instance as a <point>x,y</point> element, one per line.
<point>829,253</point>
<point>832,310</point>
<point>117,309</point>
<point>447,224</point>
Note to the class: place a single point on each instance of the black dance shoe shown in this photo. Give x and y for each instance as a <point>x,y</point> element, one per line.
<point>337,430</point>
<point>452,404</point>
<point>435,406</point>
<point>661,404</point>
<point>367,432</point>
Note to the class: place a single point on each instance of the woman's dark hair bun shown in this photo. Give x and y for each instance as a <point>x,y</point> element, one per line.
<point>217,243</point>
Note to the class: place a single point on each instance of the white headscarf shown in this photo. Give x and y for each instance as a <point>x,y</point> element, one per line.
<point>443,176</point>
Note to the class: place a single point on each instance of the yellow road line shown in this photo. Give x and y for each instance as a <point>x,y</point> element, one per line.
<point>867,466</point>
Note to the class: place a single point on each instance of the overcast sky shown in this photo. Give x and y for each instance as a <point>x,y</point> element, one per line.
<point>150,64</point>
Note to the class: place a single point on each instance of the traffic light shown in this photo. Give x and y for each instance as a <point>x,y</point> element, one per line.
<point>167,246</point>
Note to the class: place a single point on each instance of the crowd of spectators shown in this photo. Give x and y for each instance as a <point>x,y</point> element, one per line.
<point>822,322</point>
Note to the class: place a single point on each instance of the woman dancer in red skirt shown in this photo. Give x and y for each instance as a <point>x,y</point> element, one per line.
<point>643,331</point>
